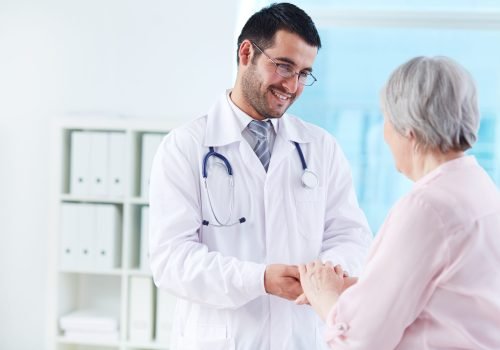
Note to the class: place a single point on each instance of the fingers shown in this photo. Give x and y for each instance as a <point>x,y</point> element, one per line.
<point>283,281</point>
<point>293,271</point>
<point>301,300</point>
<point>314,265</point>
<point>302,271</point>
<point>339,271</point>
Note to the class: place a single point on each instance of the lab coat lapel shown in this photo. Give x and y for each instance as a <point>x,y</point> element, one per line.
<point>222,125</point>
<point>290,130</point>
<point>252,162</point>
<point>282,149</point>
<point>223,129</point>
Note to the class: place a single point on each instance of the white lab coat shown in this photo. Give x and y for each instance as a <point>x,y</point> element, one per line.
<point>218,273</point>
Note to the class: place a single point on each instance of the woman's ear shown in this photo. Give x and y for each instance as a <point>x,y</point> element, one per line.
<point>412,137</point>
<point>410,134</point>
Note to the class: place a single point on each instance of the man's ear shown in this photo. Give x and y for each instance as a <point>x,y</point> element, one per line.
<point>245,52</point>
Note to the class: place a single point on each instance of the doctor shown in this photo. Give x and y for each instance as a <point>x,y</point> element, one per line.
<point>236,205</point>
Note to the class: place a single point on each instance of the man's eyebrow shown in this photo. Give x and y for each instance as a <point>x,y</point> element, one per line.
<point>292,63</point>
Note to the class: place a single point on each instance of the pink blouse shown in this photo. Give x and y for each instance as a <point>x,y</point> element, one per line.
<point>432,278</point>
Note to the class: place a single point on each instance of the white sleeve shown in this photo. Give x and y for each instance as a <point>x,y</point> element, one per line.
<point>180,263</point>
<point>347,236</point>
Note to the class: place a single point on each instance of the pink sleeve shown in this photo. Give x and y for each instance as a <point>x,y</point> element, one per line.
<point>396,283</point>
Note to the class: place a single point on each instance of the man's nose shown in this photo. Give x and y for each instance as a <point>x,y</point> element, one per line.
<point>291,84</point>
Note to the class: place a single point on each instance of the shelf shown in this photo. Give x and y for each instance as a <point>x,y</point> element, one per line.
<point>137,272</point>
<point>95,223</point>
<point>115,272</point>
<point>152,345</point>
<point>72,198</point>
<point>139,200</point>
<point>64,340</point>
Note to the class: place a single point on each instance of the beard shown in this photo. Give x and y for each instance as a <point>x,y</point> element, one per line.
<point>257,99</point>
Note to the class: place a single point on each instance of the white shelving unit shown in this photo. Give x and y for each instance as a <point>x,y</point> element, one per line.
<point>100,288</point>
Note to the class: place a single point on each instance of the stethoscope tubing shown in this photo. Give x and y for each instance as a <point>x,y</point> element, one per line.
<point>306,181</point>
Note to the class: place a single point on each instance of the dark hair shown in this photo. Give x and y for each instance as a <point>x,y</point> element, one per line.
<point>263,25</point>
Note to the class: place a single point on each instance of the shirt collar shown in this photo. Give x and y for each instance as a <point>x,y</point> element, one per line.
<point>451,165</point>
<point>225,123</point>
<point>244,119</point>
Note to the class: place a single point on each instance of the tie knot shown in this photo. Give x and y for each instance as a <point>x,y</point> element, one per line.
<point>260,128</point>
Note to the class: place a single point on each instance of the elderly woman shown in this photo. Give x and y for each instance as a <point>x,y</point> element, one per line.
<point>431,278</point>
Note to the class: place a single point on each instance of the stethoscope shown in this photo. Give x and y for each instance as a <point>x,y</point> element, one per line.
<point>308,179</point>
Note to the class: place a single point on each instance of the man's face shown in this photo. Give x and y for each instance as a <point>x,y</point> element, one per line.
<point>266,93</point>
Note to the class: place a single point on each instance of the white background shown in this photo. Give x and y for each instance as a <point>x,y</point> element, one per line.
<point>148,59</point>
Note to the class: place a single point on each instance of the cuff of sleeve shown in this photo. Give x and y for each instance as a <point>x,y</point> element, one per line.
<point>334,329</point>
<point>254,279</point>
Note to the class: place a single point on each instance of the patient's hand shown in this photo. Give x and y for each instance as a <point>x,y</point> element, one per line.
<point>348,282</point>
<point>322,285</point>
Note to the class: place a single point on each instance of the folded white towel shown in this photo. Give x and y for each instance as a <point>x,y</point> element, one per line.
<point>92,337</point>
<point>89,320</point>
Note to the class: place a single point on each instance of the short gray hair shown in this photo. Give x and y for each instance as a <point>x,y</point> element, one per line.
<point>435,98</point>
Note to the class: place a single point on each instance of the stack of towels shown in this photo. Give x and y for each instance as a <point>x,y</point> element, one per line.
<point>90,326</point>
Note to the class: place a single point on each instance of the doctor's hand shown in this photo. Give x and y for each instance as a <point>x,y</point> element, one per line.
<point>322,284</point>
<point>282,281</point>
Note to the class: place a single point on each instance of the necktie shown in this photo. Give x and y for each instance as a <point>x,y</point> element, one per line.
<point>261,129</point>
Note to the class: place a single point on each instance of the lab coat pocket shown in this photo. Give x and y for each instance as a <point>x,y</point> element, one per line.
<point>310,212</point>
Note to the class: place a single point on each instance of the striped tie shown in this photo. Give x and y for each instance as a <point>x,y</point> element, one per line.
<point>260,130</point>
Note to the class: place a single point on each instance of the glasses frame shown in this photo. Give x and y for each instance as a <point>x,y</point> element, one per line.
<point>287,66</point>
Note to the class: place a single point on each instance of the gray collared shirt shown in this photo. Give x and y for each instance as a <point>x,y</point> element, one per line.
<point>243,121</point>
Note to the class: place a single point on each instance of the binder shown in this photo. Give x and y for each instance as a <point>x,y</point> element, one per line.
<point>86,236</point>
<point>165,306</point>
<point>79,166</point>
<point>144,243</point>
<point>141,309</point>
<point>98,164</point>
<point>150,143</point>
<point>107,228</point>
<point>116,163</point>
<point>69,246</point>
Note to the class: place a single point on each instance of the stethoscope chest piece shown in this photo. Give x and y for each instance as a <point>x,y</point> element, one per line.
<point>309,179</point>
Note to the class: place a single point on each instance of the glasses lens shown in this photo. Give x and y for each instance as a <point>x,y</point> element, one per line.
<point>284,70</point>
<point>306,79</point>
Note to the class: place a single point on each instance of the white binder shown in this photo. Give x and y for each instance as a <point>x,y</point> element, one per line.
<point>141,309</point>
<point>165,306</point>
<point>68,248</point>
<point>107,226</point>
<point>144,245</point>
<point>150,143</point>
<point>116,163</point>
<point>86,236</point>
<point>80,167</point>
<point>98,164</point>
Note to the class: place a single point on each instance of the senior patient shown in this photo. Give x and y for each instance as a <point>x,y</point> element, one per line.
<point>431,277</point>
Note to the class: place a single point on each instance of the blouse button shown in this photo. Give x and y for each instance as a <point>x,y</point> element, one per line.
<point>341,327</point>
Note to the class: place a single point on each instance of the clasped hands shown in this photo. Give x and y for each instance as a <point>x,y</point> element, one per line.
<point>314,283</point>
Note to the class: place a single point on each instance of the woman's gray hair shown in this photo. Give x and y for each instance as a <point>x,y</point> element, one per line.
<point>436,99</point>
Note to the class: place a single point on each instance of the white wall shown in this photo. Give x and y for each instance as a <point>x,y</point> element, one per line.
<point>150,59</point>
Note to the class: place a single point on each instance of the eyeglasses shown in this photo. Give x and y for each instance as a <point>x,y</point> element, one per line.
<point>286,70</point>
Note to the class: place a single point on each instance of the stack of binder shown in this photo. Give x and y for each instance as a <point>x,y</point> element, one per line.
<point>90,326</point>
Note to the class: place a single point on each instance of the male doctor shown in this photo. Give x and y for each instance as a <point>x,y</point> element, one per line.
<point>243,194</point>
